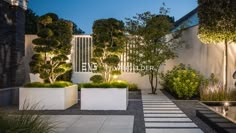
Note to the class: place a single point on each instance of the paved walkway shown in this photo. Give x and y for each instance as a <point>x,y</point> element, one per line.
<point>93,123</point>
<point>161,115</point>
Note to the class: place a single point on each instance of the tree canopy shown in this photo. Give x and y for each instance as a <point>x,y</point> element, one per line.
<point>218,24</point>
<point>152,44</point>
<point>217,20</point>
<point>52,47</point>
<point>108,40</point>
<point>31,21</point>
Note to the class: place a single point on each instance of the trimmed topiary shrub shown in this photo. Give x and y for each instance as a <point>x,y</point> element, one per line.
<point>97,79</point>
<point>105,85</point>
<point>182,81</point>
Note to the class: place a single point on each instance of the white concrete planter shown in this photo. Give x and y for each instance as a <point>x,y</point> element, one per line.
<point>104,98</point>
<point>49,98</point>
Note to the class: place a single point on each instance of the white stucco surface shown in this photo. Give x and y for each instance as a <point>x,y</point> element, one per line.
<point>205,58</point>
<point>104,98</point>
<point>48,98</point>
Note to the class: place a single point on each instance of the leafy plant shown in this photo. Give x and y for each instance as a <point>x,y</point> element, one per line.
<point>182,81</point>
<point>25,122</point>
<point>218,24</point>
<point>212,90</point>
<point>108,40</point>
<point>105,85</point>
<point>97,79</point>
<point>151,46</point>
<point>52,47</point>
<point>132,87</point>
<point>57,84</point>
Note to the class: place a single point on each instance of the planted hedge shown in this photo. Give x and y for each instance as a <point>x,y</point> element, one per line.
<point>105,85</point>
<point>57,84</point>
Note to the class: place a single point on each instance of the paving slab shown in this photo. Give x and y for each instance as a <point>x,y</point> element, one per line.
<point>161,111</point>
<point>165,115</point>
<point>170,103</point>
<point>155,108</point>
<point>173,130</point>
<point>158,125</point>
<point>168,119</point>
<point>93,123</point>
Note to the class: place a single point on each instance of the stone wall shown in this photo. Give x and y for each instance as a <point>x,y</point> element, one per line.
<point>12,27</point>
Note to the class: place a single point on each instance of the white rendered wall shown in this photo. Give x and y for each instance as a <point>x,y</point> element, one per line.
<point>205,58</point>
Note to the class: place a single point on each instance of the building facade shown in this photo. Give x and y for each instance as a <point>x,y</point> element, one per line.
<point>12,32</point>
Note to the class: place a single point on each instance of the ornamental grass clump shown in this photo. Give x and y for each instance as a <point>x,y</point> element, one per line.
<point>213,90</point>
<point>25,122</point>
<point>182,81</point>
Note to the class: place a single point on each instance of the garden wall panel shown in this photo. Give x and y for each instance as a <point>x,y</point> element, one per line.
<point>206,58</point>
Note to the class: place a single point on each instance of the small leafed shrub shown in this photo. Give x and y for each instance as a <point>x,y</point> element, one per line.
<point>97,79</point>
<point>105,85</point>
<point>132,87</point>
<point>182,81</point>
<point>57,84</point>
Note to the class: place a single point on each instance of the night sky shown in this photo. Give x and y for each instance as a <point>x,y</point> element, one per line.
<point>84,12</point>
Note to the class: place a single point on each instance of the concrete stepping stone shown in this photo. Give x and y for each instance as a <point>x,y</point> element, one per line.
<point>161,111</point>
<point>158,104</point>
<point>158,125</point>
<point>165,106</point>
<point>154,108</point>
<point>165,115</point>
<point>173,130</point>
<point>167,119</point>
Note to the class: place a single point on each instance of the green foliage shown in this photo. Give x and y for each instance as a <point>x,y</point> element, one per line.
<point>132,87</point>
<point>152,47</point>
<point>212,90</point>
<point>97,79</point>
<point>182,81</point>
<point>218,24</point>
<point>25,123</point>
<point>105,85</point>
<point>52,48</point>
<point>31,20</point>
<point>108,40</point>
<point>217,20</point>
<point>57,84</point>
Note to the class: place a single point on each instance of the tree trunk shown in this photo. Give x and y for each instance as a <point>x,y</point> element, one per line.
<point>151,79</point>
<point>226,66</point>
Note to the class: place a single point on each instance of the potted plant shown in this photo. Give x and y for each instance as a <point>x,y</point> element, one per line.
<point>104,96</point>
<point>50,60</point>
<point>104,93</point>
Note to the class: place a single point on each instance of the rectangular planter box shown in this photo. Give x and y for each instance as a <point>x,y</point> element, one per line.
<point>49,98</point>
<point>104,98</point>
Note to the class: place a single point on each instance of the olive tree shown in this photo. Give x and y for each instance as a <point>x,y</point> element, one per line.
<point>218,24</point>
<point>52,47</point>
<point>108,40</point>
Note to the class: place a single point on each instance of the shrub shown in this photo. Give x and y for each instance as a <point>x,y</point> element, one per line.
<point>97,79</point>
<point>105,85</point>
<point>57,84</point>
<point>132,87</point>
<point>182,81</point>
